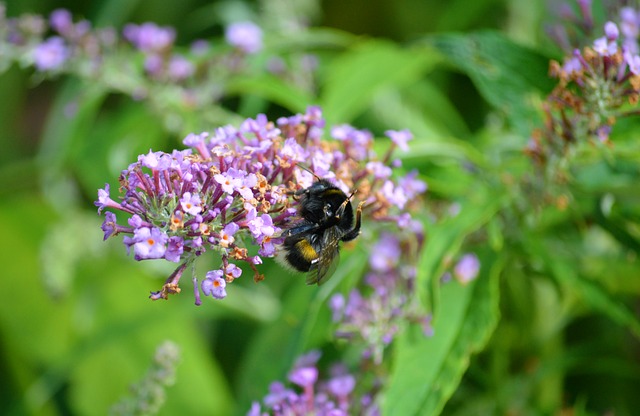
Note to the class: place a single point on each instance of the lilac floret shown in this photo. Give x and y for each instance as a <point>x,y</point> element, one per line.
<point>51,54</point>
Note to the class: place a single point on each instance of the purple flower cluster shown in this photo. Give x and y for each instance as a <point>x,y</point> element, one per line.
<point>233,187</point>
<point>333,397</point>
<point>157,44</point>
<point>376,312</point>
<point>596,86</point>
<point>143,60</point>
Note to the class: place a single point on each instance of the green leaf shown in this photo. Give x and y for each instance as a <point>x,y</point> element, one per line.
<point>273,89</point>
<point>591,292</point>
<point>299,328</point>
<point>426,371</point>
<point>352,79</point>
<point>444,241</point>
<point>509,76</point>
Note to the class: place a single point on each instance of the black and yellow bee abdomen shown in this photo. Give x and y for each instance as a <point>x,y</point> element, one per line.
<point>300,254</point>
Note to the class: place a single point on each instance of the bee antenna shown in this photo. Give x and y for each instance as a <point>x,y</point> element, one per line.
<point>303,167</point>
<point>351,196</point>
<point>346,201</point>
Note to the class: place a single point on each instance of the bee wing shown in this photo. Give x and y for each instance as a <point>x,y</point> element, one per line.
<point>300,228</point>
<point>328,261</point>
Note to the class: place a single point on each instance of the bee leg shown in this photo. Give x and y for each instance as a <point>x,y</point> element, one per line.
<point>356,229</point>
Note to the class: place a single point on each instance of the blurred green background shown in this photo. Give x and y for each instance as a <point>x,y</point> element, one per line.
<point>555,320</point>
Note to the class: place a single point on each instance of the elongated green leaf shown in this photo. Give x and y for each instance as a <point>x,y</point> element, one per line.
<point>444,240</point>
<point>427,370</point>
<point>299,328</point>
<point>352,79</point>
<point>595,295</point>
<point>272,89</point>
<point>509,76</point>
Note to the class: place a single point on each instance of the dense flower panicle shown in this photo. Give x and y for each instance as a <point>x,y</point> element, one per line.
<point>598,85</point>
<point>311,394</point>
<point>233,187</point>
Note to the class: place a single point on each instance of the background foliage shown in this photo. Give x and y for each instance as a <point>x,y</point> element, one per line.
<point>550,325</point>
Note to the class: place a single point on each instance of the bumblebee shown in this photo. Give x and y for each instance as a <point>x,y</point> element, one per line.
<point>311,245</point>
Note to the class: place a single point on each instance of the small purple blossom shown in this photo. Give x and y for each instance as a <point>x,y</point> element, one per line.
<point>214,284</point>
<point>341,386</point>
<point>175,248</point>
<point>467,268</point>
<point>605,47</point>
<point>180,68</point>
<point>232,271</point>
<point>109,225</point>
<point>385,254</point>
<point>634,63</point>
<point>61,21</point>
<point>149,37</point>
<point>611,31</point>
<point>150,243</point>
<point>191,203</point>
<point>51,54</point>
<point>246,36</point>
<point>304,376</point>
<point>400,138</point>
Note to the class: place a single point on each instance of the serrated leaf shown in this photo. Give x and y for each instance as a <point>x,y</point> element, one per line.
<point>426,371</point>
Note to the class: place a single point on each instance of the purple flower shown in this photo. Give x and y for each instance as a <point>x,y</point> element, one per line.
<point>228,182</point>
<point>394,194</point>
<point>232,271</point>
<point>604,47</point>
<point>341,386</point>
<point>411,186</point>
<point>245,36</point>
<point>467,268</point>
<point>214,284</point>
<point>261,226</point>
<point>611,31</point>
<point>154,65</point>
<point>50,54</point>
<point>304,376</point>
<point>293,151</point>
<point>104,200</point>
<point>385,254</point>
<point>109,224</point>
<point>630,24</point>
<point>337,303</point>
<point>226,235</point>
<point>191,203</point>
<point>400,138</point>
<point>180,68</point>
<point>572,65</point>
<point>175,248</point>
<point>379,169</point>
<point>61,21</point>
<point>633,61</point>
<point>150,243</point>
<point>149,37</point>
